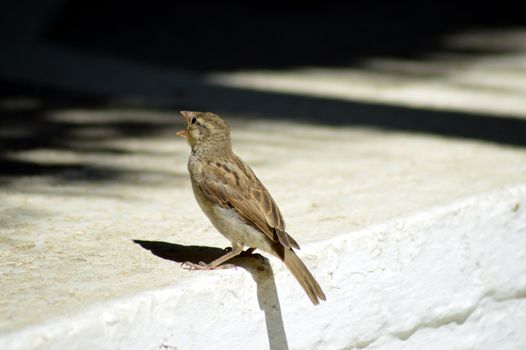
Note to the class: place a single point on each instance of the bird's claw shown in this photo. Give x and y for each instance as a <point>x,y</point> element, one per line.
<point>187,265</point>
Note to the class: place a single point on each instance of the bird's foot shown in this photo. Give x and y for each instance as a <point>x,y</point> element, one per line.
<point>190,266</point>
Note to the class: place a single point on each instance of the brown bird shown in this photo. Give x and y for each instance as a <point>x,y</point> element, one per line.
<point>236,202</point>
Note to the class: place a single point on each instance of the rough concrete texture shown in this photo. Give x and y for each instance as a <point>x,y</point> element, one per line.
<point>406,234</point>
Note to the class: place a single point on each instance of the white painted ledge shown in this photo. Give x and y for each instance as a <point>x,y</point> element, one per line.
<point>451,277</point>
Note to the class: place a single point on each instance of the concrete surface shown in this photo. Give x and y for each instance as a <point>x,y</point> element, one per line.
<point>404,233</point>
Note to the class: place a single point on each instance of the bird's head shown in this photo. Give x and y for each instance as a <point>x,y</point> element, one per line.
<point>205,130</point>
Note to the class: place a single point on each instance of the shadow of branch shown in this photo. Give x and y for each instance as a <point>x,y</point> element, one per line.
<point>257,265</point>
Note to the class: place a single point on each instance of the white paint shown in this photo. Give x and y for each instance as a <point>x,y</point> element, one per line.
<point>449,278</point>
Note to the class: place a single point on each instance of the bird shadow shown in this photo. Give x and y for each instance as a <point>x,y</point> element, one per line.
<point>257,265</point>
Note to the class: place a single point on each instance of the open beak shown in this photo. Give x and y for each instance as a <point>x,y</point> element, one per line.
<point>187,115</point>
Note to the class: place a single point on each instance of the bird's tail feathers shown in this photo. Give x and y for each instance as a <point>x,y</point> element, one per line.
<point>303,275</point>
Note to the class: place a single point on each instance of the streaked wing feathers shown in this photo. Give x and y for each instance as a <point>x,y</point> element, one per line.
<point>231,183</point>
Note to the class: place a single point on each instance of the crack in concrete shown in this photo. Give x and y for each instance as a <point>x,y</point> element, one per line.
<point>458,317</point>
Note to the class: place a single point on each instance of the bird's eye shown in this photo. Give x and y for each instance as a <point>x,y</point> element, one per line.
<point>194,120</point>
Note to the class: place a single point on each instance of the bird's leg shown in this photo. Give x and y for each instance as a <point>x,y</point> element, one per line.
<point>234,252</point>
<point>216,264</point>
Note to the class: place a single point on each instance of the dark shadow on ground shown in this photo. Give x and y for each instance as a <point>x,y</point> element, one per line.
<point>169,37</point>
<point>258,267</point>
<point>32,129</point>
<point>328,111</point>
<point>208,36</point>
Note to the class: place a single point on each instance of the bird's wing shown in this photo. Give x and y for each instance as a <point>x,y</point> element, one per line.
<point>230,183</point>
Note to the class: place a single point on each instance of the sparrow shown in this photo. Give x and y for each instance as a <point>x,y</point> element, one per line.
<point>235,200</point>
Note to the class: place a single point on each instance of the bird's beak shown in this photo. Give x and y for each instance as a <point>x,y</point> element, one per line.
<point>187,115</point>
